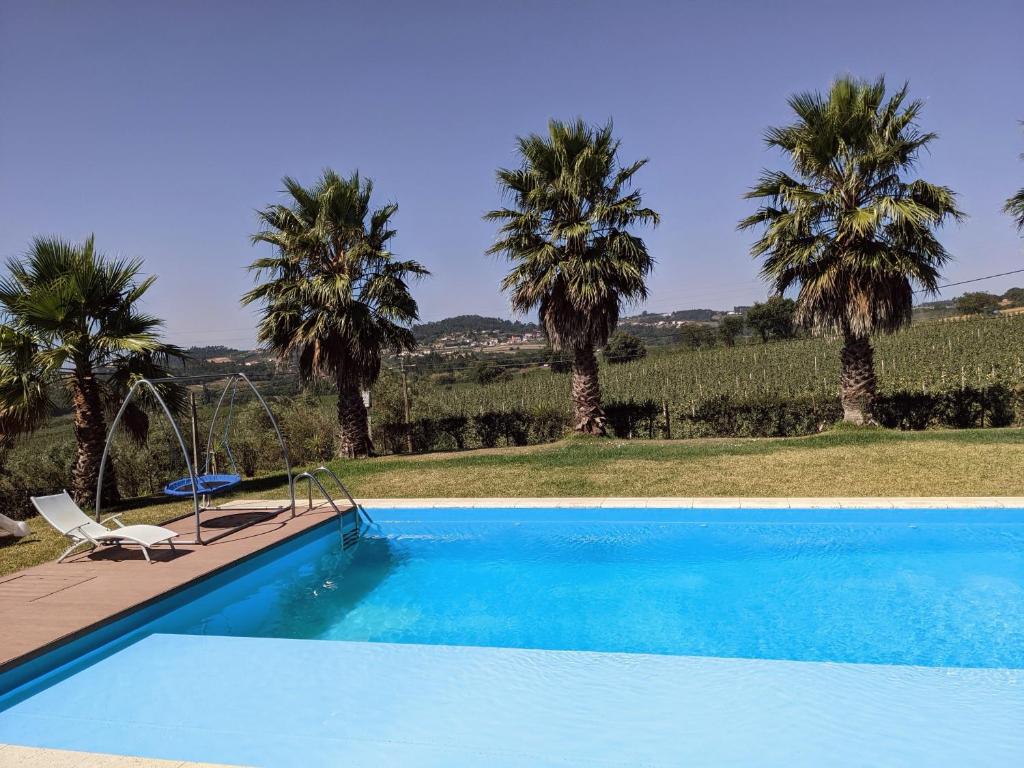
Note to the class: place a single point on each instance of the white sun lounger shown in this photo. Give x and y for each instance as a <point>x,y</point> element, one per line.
<point>17,528</point>
<point>62,513</point>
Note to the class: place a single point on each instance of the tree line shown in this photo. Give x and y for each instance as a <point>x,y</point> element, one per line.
<point>847,228</point>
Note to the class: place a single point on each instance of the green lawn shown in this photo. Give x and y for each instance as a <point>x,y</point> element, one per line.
<point>842,462</point>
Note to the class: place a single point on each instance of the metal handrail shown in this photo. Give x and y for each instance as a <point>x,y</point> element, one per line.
<point>344,489</point>
<point>311,476</point>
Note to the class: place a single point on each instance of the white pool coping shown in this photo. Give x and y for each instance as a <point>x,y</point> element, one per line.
<point>12,756</point>
<point>709,502</point>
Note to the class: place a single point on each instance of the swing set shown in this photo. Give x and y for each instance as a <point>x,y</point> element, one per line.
<point>203,485</point>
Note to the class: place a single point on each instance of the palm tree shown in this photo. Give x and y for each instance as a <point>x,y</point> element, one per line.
<point>574,257</point>
<point>70,321</point>
<point>850,230</point>
<point>1015,207</point>
<point>335,297</point>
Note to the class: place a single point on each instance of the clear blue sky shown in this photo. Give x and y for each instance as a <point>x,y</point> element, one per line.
<point>162,126</point>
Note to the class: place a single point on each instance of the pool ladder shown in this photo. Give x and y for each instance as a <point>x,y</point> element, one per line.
<point>349,537</point>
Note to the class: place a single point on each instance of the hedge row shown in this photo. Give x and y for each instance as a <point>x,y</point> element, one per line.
<point>724,416</point>
<point>486,430</point>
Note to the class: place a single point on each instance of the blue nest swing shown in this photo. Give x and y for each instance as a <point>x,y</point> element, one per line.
<point>206,485</point>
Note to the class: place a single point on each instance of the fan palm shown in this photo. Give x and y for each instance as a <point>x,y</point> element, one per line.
<point>69,320</point>
<point>334,297</point>
<point>1015,207</point>
<point>575,260</point>
<point>849,230</point>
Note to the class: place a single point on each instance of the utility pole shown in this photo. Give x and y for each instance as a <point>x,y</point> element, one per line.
<point>405,408</point>
<point>195,430</point>
<point>368,403</point>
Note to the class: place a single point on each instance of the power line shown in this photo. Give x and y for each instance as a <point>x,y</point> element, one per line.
<point>975,280</point>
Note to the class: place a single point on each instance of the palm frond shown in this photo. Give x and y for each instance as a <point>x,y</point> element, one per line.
<point>567,231</point>
<point>71,312</point>
<point>333,294</point>
<point>846,227</point>
<point>25,383</point>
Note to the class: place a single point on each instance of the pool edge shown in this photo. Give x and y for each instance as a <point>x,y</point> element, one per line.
<point>708,502</point>
<point>45,757</point>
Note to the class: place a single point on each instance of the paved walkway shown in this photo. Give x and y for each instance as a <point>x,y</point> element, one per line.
<point>34,757</point>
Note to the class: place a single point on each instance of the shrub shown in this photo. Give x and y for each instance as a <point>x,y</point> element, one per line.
<point>764,416</point>
<point>773,319</point>
<point>977,303</point>
<point>729,329</point>
<point>624,347</point>
<point>631,419</point>
<point>488,371</point>
<point>455,428</point>
<point>974,407</point>
<point>905,410</point>
<point>33,473</point>
<point>1017,405</point>
<point>488,428</point>
<point>516,427</point>
<point>693,336</point>
<point>547,425</point>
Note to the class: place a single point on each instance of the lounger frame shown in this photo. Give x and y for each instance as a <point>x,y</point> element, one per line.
<point>85,532</point>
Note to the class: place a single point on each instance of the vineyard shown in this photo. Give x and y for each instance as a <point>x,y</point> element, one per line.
<point>926,358</point>
<point>964,373</point>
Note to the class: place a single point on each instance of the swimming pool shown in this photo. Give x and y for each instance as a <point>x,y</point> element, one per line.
<point>866,588</point>
<point>730,594</point>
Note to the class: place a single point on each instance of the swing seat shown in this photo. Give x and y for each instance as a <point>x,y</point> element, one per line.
<point>206,485</point>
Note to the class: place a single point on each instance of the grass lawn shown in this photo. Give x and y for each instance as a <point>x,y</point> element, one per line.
<point>843,462</point>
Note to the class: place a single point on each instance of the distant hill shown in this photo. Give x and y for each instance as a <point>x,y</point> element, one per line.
<point>688,315</point>
<point>470,325</point>
<point>657,328</point>
<point>217,359</point>
<point>204,353</point>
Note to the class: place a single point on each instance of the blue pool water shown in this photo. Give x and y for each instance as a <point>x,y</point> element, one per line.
<point>941,593</point>
<point>554,637</point>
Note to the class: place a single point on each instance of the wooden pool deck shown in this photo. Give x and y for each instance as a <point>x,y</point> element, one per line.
<point>49,604</point>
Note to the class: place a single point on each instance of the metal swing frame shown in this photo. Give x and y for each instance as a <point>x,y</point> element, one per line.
<point>200,506</point>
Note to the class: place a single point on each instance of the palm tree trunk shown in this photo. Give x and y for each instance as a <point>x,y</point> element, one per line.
<point>353,422</point>
<point>90,436</point>
<point>857,380</point>
<point>588,417</point>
